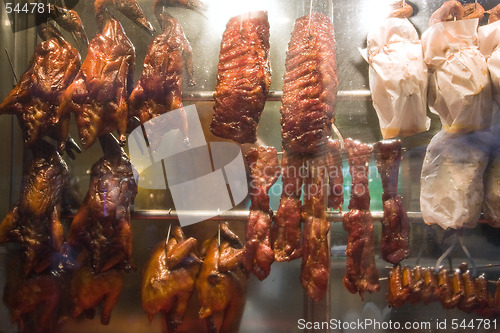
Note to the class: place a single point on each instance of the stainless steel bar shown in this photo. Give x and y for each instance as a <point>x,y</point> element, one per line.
<point>207,96</point>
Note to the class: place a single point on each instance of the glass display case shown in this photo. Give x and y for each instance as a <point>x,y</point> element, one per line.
<point>278,303</point>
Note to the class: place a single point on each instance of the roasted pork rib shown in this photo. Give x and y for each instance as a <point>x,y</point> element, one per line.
<point>243,78</point>
<point>34,222</point>
<point>310,86</point>
<point>361,270</point>
<point>395,240</point>
<point>265,170</point>
<point>169,278</point>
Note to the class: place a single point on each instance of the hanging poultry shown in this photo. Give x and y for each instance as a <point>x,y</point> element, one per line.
<point>222,281</point>
<point>34,221</point>
<point>102,224</point>
<point>169,278</point>
<point>32,300</point>
<point>36,98</point>
<point>98,94</point>
<point>159,89</point>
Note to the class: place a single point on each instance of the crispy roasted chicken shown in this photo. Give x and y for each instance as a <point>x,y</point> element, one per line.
<point>98,95</point>
<point>222,281</point>
<point>169,278</point>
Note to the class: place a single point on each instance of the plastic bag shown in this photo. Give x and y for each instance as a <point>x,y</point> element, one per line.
<point>398,78</point>
<point>459,83</point>
<point>451,183</point>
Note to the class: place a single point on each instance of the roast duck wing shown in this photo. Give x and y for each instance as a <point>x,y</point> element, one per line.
<point>395,241</point>
<point>244,77</point>
<point>159,89</point>
<point>34,221</point>
<point>36,98</point>
<point>169,278</point>
<point>265,170</point>
<point>98,95</point>
<point>102,223</point>
<point>221,284</point>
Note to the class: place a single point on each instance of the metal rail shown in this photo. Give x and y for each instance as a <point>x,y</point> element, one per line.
<point>208,96</point>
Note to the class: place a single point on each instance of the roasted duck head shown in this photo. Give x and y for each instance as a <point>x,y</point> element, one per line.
<point>129,8</point>
<point>494,14</point>
<point>169,278</point>
<point>222,281</point>
<point>195,5</point>
<point>102,224</point>
<point>450,10</point>
<point>34,221</point>
<point>33,300</point>
<point>36,98</point>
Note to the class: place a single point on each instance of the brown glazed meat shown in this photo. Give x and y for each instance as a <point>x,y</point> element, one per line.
<point>244,77</point>
<point>159,89</point>
<point>335,176</point>
<point>472,11</point>
<point>449,11</point>
<point>36,98</point>
<point>494,14</point>
<point>286,229</point>
<point>222,281</point>
<point>397,293</point>
<point>401,10</point>
<point>98,95</point>
<point>169,278</point>
<point>310,86</point>
<point>102,224</point>
<point>32,301</point>
<point>395,241</point>
<point>34,221</point>
<point>265,170</point>
<point>88,290</point>
<point>315,268</point>
<point>361,271</point>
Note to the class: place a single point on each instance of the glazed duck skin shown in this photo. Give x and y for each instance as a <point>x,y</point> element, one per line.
<point>102,224</point>
<point>34,222</point>
<point>169,278</point>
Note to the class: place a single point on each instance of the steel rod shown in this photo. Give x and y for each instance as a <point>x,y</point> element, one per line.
<point>208,96</point>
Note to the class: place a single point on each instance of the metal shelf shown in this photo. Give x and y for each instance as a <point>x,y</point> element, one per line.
<point>208,96</point>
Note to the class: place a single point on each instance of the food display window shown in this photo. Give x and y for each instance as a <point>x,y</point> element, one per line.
<point>249,166</point>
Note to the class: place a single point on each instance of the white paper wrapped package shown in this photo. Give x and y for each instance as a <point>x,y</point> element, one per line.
<point>451,183</point>
<point>459,83</point>
<point>398,78</point>
<point>489,42</point>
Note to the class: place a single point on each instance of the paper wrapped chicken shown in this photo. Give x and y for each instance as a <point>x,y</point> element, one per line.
<point>398,75</point>
<point>451,192</point>
<point>459,84</point>
<point>489,42</point>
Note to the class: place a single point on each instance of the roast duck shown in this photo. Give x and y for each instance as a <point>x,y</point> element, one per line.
<point>159,89</point>
<point>98,95</point>
<point>221,284</point>
<point>37,96</point>
<point>169,278</point>
<point>99,240</point>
